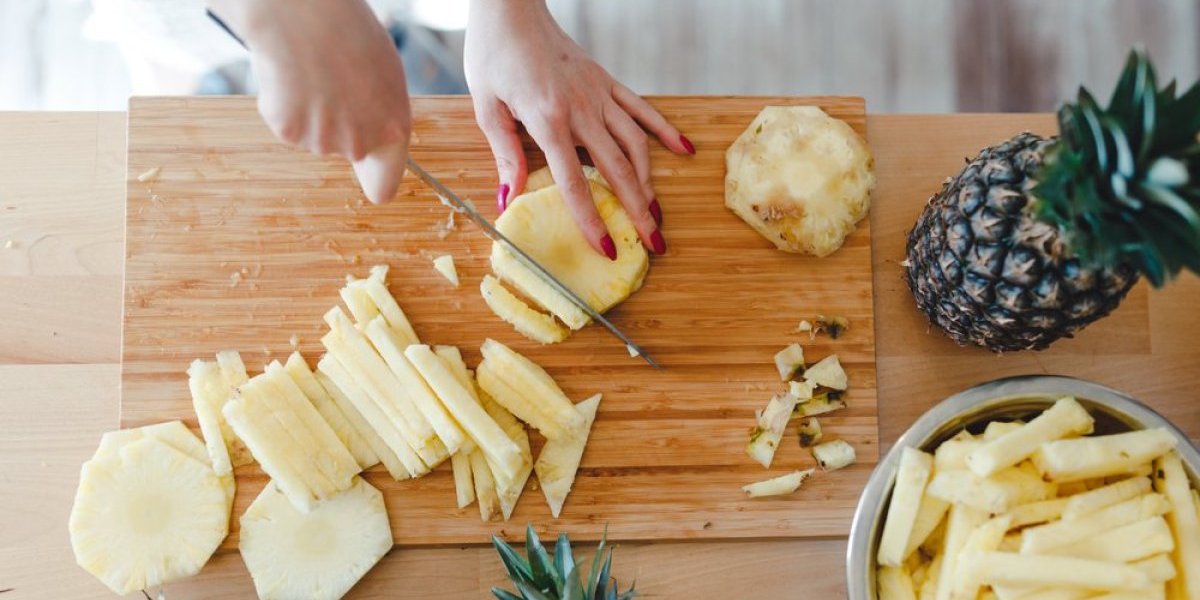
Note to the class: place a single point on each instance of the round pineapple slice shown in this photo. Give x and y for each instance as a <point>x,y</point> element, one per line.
<point>317,555</point>
<point>147,515</point>
<point>540,223</point>
<point>799,177</point>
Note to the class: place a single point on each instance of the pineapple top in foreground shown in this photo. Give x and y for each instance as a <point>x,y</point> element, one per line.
<point>1124,181</point>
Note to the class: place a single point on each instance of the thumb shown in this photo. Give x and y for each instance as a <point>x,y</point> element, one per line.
<point>380,172</point>
<point>500,129</point>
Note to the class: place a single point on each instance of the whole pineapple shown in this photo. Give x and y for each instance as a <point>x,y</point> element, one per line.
<point>1037,237</point>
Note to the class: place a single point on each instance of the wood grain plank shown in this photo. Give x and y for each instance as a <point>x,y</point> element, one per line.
<point>240,243</point>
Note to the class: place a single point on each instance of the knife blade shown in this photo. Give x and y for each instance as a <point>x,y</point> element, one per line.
<point>464,207</point>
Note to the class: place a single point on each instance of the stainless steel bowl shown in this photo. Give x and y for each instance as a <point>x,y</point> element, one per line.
<point>1011,398</point>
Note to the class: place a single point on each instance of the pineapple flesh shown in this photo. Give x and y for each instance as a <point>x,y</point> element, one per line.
<point>1038,237</point>
<point>233,370</point>
<point>541,224</point>
<point>147,515</point>
<point>527,391</point>
<point>528,321</point>
<point>559,460</point>
<point>317,555</point>
<point>800,178</point>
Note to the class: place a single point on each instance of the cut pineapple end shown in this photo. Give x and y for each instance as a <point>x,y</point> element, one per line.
<point>789,360</point>
<point>147,516</point>
<point>321,554</point>
<point>810,432</point>
<point>444,264</point>
<point>834,455</point>
<point>765,437</point>
<point>533,324</point>
<point>777,486</point>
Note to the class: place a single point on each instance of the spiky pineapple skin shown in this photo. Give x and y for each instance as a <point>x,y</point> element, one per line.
<point>987,273</point>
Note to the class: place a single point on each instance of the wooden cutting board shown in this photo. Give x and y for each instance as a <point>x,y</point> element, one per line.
<point>242,243</point>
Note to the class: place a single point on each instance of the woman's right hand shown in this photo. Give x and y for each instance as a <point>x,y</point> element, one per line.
<point>521,67</point>
<point>330,80</point>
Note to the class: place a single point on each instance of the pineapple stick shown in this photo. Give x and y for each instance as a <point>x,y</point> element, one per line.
<point>393,352</point>
<point>209,392</point>
<point>298,443</point>
<point>487,434</point>
<point>464,486</point>
<point>1172,481</point>
<point>387,305</point>
<point>329,453</point>
<point>298,370</point>
<point>1065,418</point>
<point>526,390</point>
<point>355,296</point>
<point>355,352</point>
<point>911,476</point>
<point>387,429</point>
<point>233,371</point>
<point>252,425</point>
<point>485,487</point>
<point>509,491</point>
<point>378,447</point>
<point>962,521</point>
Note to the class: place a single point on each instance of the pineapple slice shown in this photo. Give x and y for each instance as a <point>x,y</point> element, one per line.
<point>834,455</point>
<point>209,393</point>
<point>376,444</point>
<point>496,445</point>
<point>354,351</point>
<point>172,433</point>
<point>559,461</point>
<point>373,415</point>
<point>303,377</point>
<point>392,351</point>
<point>444,264</point>
<point>149,515</point>
<point>526,390</point>
<point>485,487</point>
<point>512,271</point>
<point>233,370</point>
<point>789,360</point>
<point>320,554</point>
<point>529,322</point>
<point>827,372</point>
<point>778,486</point>
<point>765,437</point>
<point>540,223</point>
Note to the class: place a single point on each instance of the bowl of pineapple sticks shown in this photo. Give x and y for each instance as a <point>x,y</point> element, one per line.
<point>1030,488</point>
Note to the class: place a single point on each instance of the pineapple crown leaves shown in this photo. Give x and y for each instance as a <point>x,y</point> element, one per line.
<point>1124,181</point>
<point>539,576</point>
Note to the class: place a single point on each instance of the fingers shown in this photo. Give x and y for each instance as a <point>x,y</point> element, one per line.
<point>617,169</point>
<point>380,172</point>
<point>500,129</point>
<point>634,143</point>
<point>555,142</point>
<point>639,109</point>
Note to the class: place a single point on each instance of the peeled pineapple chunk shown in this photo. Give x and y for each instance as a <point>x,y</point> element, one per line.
<point>209,394</point>
<point>317,555</point>
<point>799,177</point>
<point>444,264</point>
<point>778,486</point>
<point>233,370</point>
<point>529,322</point>
<point>827,372</point>
<point>557,464</point>
<point>526,390</point>
<point>541,224</point>
<point>147,516</point>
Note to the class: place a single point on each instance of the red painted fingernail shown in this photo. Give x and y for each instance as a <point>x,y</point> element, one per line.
<point>502,197</point>
<point>610,248</point>
<point>656,211</point>
<point>687,144</point>
<point>656,240</point>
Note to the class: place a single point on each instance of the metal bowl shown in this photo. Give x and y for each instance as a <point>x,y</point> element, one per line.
<point>1011,398</point>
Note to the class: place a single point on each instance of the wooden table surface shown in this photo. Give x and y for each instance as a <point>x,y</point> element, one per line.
<point>61,205</point>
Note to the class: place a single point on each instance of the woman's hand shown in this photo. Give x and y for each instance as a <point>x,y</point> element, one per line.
<point>521,67</point>
<point>330,80</point>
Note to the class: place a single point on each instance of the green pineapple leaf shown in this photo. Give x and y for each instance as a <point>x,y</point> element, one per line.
<point>517,568</point>
<point>542,568</point>
<point>540,576</point>
<point>1123,182</point>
